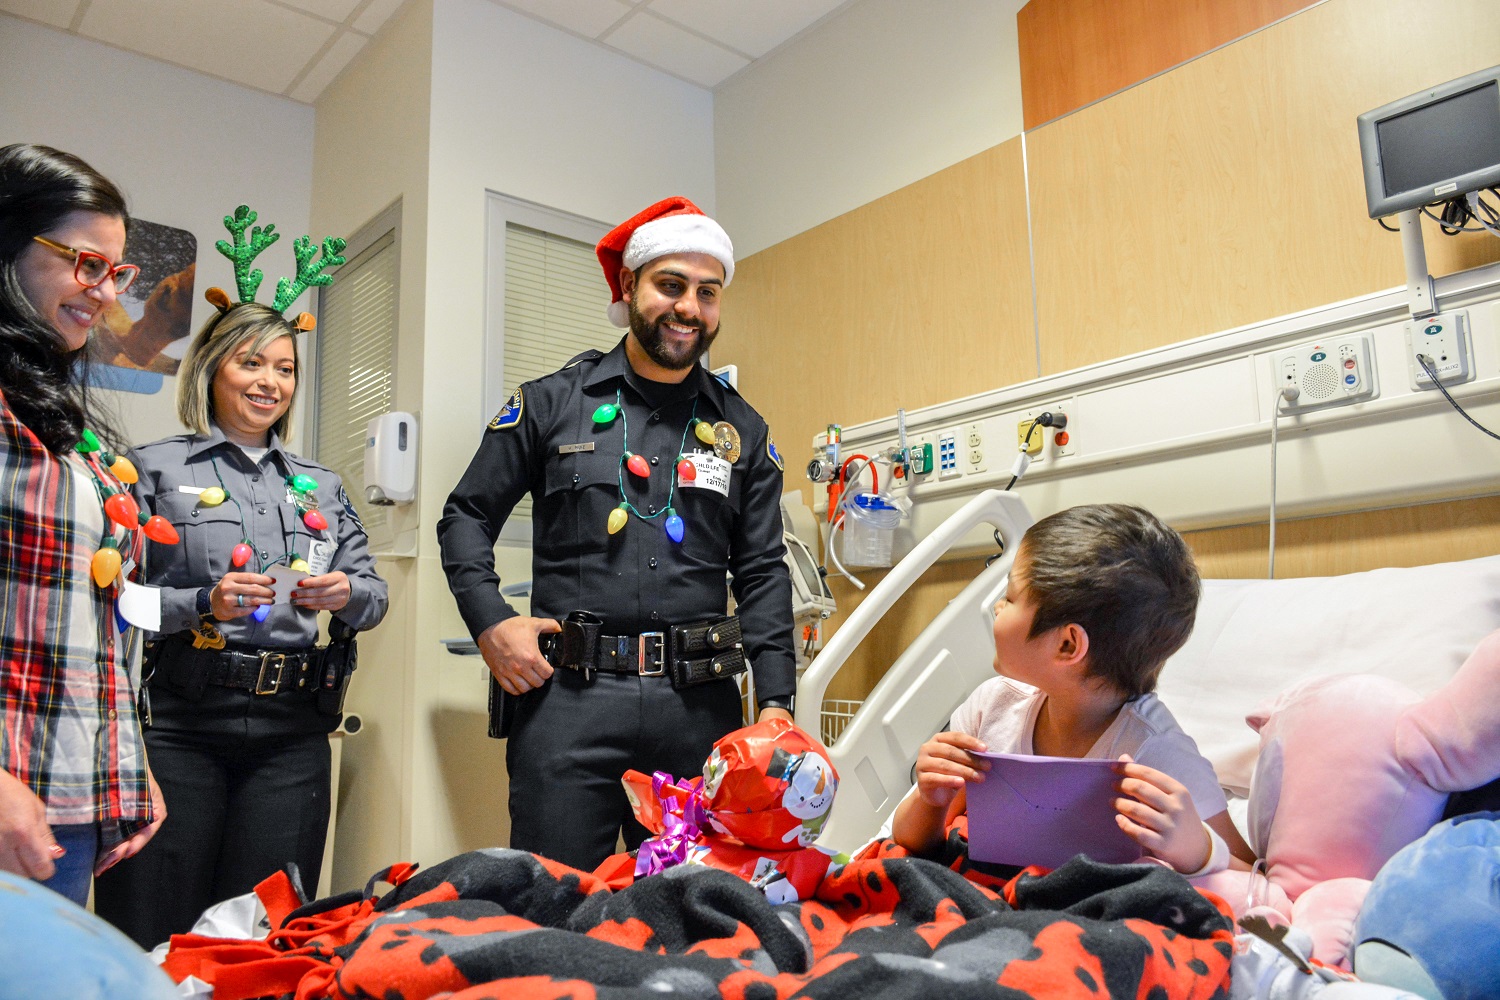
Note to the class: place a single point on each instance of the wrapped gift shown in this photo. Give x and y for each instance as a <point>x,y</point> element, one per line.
<point>756,810</point>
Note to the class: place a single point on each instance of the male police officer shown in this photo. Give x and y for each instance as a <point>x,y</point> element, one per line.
<point>650,479</point>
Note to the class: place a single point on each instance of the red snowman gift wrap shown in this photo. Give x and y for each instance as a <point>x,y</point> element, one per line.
<point>761,802</point>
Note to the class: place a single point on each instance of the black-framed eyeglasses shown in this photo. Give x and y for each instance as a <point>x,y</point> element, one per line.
<point>94,269</point>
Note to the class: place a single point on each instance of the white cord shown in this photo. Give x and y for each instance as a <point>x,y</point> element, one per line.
<point>1289,393</point>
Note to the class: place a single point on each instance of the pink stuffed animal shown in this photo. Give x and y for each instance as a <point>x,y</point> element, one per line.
<point>1352,768</point>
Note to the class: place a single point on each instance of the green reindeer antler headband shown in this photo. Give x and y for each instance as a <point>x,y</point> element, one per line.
<point>242,253</point>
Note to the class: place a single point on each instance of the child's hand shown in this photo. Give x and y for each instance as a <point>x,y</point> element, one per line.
<point>1158,813</point>
<point>944,764</point>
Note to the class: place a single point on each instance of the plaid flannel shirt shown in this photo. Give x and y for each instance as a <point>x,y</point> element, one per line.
<point>68,725</point>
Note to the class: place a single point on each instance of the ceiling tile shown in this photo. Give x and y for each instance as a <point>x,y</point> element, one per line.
<point>247,41</point>
<point>681,53</point>
<point>374,16</point>
<point>753,28</point>
<point>333,10</point>
<point>587,17</point>
<point>344,48</point>
<point>58,13</point>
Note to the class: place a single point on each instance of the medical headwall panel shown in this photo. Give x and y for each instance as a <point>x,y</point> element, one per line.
<point>1185,429</point>
<point>1230,190</point>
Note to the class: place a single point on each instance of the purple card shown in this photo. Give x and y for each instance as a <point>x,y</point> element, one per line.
<point>1044,810</point>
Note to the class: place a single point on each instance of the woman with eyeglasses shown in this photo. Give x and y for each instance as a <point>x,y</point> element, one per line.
<point>75,793</point>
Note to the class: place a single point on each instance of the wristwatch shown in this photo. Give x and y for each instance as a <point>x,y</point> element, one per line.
<point>784,702</point>
<point>204,603</point>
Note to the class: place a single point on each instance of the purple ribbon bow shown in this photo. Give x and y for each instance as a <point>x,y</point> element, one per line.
<point>682,823</point>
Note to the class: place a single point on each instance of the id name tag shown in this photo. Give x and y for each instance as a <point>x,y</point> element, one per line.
<point>713,473</point>
<point>320,556</point>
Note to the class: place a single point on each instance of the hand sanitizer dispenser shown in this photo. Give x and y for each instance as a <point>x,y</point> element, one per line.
<point>391,459</point>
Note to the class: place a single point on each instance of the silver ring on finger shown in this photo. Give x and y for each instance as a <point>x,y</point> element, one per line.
<point>239,599</point>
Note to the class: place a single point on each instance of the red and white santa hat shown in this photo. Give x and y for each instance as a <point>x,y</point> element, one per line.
<point>673,225</point>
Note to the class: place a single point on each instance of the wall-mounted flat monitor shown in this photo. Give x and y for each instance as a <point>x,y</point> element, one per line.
<point>1438,144</point>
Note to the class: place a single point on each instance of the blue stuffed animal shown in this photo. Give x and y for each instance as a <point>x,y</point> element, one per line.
<point>1431,921</point>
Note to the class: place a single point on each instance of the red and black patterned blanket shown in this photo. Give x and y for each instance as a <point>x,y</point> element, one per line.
<point>506,924</point>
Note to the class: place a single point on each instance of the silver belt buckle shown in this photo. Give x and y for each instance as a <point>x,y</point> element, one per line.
<point>658,643</point>
<point>266,659</point>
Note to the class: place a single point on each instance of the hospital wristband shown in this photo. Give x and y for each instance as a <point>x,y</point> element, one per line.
<point>1218,855</point>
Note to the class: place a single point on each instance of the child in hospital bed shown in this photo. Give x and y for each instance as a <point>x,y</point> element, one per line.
<point>1099,597</point>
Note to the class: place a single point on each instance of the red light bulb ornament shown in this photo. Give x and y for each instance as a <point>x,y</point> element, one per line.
<point>674,526</point>
<point>241,554</point>
<point>686,470</point>
<point>122,509</point>
<point>315,520</point>
<point>637,465</point>
<point>159,529</point>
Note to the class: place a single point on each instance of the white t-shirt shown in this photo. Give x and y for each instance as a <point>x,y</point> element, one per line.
<point>1002,713</point>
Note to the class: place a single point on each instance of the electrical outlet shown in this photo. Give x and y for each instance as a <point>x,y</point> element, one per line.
<point>976,450</point>
<point>1444,340</point>
<point>947,455</point>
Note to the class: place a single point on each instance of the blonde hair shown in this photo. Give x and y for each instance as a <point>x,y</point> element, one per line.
<point>219,339</point>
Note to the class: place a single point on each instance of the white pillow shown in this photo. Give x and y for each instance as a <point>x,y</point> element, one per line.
<point>1253,638</point>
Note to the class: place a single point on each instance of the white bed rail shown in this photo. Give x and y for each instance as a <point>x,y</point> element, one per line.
<point>875,752</point>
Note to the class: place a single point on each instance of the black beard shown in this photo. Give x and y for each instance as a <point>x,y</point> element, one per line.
<point>650,337</point>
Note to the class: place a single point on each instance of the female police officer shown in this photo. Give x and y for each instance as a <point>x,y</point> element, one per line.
<point>241,698</point>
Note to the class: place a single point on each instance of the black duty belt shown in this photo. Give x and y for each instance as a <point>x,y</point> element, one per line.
<point>260,671</point>
<point>688,654</point>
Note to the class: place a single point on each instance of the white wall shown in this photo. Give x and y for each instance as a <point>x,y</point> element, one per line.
<point>881,95</point>
<point>185,149</point>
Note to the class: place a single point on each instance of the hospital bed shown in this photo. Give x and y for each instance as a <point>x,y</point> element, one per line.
<point>1253,638</point>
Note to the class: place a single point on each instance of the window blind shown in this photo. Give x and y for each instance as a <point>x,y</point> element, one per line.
<point>356,354</point>
<point>555,298</point>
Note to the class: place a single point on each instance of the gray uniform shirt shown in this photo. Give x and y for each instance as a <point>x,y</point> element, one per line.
<point>271,523</point>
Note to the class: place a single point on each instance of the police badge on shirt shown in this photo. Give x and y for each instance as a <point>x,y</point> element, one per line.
<point>510,414</point>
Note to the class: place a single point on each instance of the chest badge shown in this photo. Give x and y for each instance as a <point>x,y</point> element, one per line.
<point>726,441</point>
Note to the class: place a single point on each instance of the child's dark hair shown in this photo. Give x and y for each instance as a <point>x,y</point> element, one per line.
<point>1121,574</point>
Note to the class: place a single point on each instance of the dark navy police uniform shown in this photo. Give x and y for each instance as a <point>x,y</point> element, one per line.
<point>235,738</point>
<point>571,739</point>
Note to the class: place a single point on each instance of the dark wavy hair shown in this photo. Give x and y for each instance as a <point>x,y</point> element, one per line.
<point>1128,579</point>
<point>39,186</point>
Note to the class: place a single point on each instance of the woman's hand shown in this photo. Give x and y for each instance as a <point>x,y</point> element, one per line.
<point>239,594</point>
<point>1158,814</point>
<point>329,592</point>
<point>130,848</point>
<point>27,847</point>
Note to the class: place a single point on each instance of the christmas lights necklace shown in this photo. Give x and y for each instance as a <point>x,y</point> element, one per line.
<point>638,467</point>
<point>119,507</point>
<point>301,488</point>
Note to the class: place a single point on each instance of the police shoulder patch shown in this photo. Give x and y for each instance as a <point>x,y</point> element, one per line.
<point>510,413</point>
<point>774,455</point>
<point>349,509</point>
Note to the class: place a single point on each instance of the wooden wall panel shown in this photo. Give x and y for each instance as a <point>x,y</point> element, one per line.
<point>917,298</point>
<point>1230,190</point>
<point>1074,52</point>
